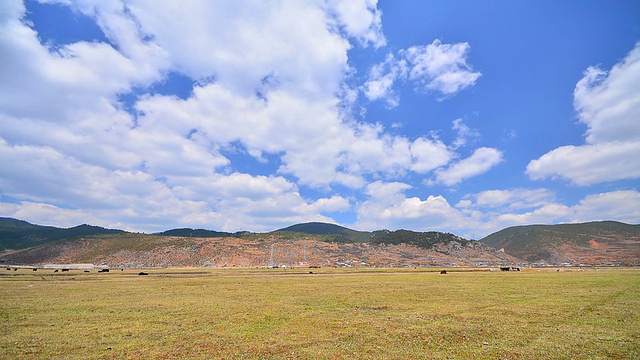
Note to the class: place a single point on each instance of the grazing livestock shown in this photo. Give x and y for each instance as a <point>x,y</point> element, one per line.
<point>65,270</point>
<point>87,271</point>
<point>103,270</point>
<point>444,272</point>
<point>509,268</point>
<point>34,269</point>
<point>55,271</point>
<point>142,273</point>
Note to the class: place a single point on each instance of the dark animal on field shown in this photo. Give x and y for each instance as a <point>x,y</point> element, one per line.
<point>87,271</point>
<point>103,270</point>
<point>64,270</point>
<point>443,272</point>
<point>34,269</point>
<point>55,271</point>
<point>509,268</point>
<point>142,273</point>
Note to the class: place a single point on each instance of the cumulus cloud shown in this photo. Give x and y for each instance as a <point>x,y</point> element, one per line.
<point>429,154</point>
<point>621,205</point>
<point>381,77</point>
<point>441,67</point>
<point>68,140</point>
<point>62,78</point>
<point>608,102</point>
<point>513,198</point>
<point>269,88</point>
<point>589,164</point>
<point>465,134</point>
<point>480,214</point>
<point>435,67</point>
<point>388,207</point>
<point>70,143</point>
<point>361,20</point>
<point>481,161</point>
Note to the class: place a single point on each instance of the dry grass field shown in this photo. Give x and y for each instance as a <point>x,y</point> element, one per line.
<point>327,314</point>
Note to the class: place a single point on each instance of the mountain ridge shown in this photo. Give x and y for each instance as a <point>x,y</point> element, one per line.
<point>19,234</point>
<point>601,242</point>
<point>592,243</point>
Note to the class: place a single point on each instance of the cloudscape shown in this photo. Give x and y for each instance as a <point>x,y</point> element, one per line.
<point>457,116</point>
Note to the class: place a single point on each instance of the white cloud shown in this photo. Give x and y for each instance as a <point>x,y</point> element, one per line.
<point>621,205</point>
<point>465,134</point>
<point>436,67</point>
<point>609,104</point>
<point>361,20</point>
<point>47,214</point>
<point>429,155</point>
<point>481,161</point>
<point>478,215</point>
<point>63,78</point>
<point>240,44</point>
<point>589,164</point>
<point>514,198</point>
<point>73,146</point>
<point>271,83</point>
<point>441,67</point>
<point>381,78</point>
<point>332,204</point>
<point>505,208</point>
<point>388,207</point>
<point>386,192</point>
<point>547,214</point>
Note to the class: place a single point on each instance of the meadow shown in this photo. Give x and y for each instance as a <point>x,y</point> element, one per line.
<point>320,314</point>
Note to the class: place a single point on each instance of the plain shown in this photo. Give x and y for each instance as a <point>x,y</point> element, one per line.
<point>320,314</point>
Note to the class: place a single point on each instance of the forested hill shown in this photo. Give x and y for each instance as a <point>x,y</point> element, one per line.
<point>421,239</point>
<point>19,234</point>
<point>335,232</point>
<point>188,232</point>
<point>338,233</point>
<point>598,242</point>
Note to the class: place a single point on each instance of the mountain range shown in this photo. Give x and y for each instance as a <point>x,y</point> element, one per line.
<point>599,242</point>
<point>321,244</point>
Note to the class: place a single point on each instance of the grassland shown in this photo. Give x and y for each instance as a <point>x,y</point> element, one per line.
<point>330,314</point>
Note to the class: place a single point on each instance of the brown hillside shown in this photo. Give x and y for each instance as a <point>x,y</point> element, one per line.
<point>145,251</point>
<point>594,243</point>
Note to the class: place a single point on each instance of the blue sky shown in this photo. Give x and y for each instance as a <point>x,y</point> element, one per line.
<point>457,116</point>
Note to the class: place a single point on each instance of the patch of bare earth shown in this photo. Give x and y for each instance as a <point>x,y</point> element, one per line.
<point>161,251</point>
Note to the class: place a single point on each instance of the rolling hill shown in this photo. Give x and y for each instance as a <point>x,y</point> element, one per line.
<point>321,244</point>
<point>19,234</point>
<point>339,233</point>
<point>595,243</point>
<point>602,242</point>
<point>129,250</point>
<point>188,232</point>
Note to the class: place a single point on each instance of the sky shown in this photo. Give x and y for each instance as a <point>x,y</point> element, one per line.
<point>456,116</point>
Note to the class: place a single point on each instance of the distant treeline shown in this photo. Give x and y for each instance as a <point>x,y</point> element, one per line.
<point>18,234</point>
<point>420,239</point>
<point>187,232</point>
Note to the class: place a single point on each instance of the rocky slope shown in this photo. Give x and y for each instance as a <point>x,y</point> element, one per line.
<point>146,251</point>
<point>594,243</point>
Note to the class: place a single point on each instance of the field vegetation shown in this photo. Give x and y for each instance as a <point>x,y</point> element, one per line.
<point>320,314</point>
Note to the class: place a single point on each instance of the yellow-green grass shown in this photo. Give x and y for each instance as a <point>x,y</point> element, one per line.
<point>330,314</point>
